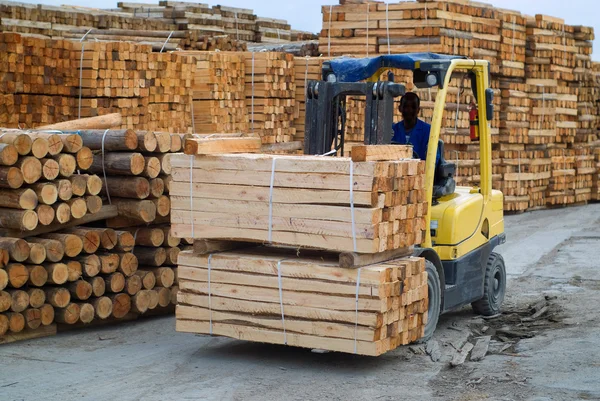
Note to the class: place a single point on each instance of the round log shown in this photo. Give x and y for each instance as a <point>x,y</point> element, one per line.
<point>125,241</point>
<point>163,206</point>
<point>16,322</point>
<point>78,184</point>
<point>99,122</point>
<point>146,141</point>
<point>55,144</point>
<point>114,140</point>
<point>58,297</point>
<point>85,158</point>
<point>109,263</point>
<point>65,189</point>
<point>8,154</point>
<point>174,292</point>
<point>78,207</point>
<point>37,254</point>
<point>93,203</point>
<point>38,276</point>
<point>62,212</point>
<point>103,307</point>
<point>98,286</point>
<point>86,312</point>
<point>37,297</point>
<point>18,249</point>
<point>55,250</point>
<point>165,163</point>
<point>68,314</point>
<point>147,236</point>
<point>90,238</point>
<point>121,305</point>
<point>75,269</point>
<point>50,169</point>
<point>46,192</point>
<point>142,210</point>
<point>133,284</point>
<point>167,180</point>
<point>72,143</point>
<point>128,265</point>
<point>45,214</point>
<point>21,142</point>
<point>127,187</point>
<point>80,290</point>
<point>157,187</point>
<point>17,275</point>
<point>67,164</point>
<point>40,148</point>
<point>24,198</point>
<point>4,258</point>
<point>148,279</point>
<point>152,169</point>
<point>129,164</point>
<point>153,299</point>
<point>176,143</point>
<point>150,256</point>
<point>140,302</point>
<point>170,240</point>
<point>95,184</point>
<point>115,282</point>
<point>164,276</point>
<point>47,311</point>
<point>33,318</point>
<point>164,296</point>
<point>19,300</point>
<point>11,177</point>
<point>31,169</point>
<point>5,301</point>
<point>164,142</point>
<point>172,255</point>
<point>58,273</point>
<point>72,244</point>
<point>90,264</point>
<point>4,325</point>
<point>108,238</point>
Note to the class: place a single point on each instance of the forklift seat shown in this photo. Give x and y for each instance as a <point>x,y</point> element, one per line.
<point>443,182</point>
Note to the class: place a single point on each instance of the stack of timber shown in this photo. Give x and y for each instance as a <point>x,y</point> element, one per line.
<point>585,165</point>
<point>270,30</point>
<point>587,100</point>
<point>238,23</point>
<point>561,190</point>
<point>214,43</point>
<point>270,95</point>
<point>386,211</point>
<point>303,36</point>
<point>596,177</point>
<point>219,92</point>
<point>308,48</point>
<point>515,109</point>
<point>303,299</point>
<point>542,121</point>
<point>513,38</point>
<point>306,69</point>
<point>38,176</point>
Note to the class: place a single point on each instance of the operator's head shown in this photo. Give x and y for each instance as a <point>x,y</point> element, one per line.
<point>409,107</point>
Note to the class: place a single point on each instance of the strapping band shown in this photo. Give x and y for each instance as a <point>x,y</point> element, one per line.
<point>135,238</point>
<point>281,300</point>
<point>352,204</point>
<point>237,32</point>
<point>166,41</point>
<point>368,8</point>
<point>519,175</point>
<point>210,296</point>
<point>104,168</point>
<point>387,27</point>
<point>329,32</point>
<point>356,310</point>
<point>271,200</point>
<point>252,101</point>
<point>192,193</point>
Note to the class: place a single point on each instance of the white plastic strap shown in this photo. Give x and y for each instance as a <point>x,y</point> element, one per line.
<point>192,193</point>
<point>514,24</point>
<point>564,46</point>
<point>81,71</point>
<point>457,153</point>
<point>252,100</point>
<point>306,77</point>
<point>543,104</point>
<point>519,175</point>
<point>271,199</point>
<point>193,119</point>
<point>210,296</point>
<point>237,32</point>
<point>428,45</point>
<point>281,300</point>
<point>278,34</point>
<point>166,41</point>
<point>329,33</point>
<point>135,238</point>
<point>356,310</point>
<point>352,204</point>
<point>387,27</point>
<point>103,167</point>
<point>368,8</point>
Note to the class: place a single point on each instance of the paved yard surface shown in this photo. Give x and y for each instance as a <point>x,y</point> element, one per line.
<point>552,257</point>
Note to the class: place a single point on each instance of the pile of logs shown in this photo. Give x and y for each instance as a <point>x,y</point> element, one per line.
<point>270,88</point>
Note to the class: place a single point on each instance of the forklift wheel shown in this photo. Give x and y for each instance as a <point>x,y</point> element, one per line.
<point>494,287</point>
<point>434,292</point>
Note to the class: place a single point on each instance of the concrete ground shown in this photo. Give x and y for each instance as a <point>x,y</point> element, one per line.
<point>552,257</point>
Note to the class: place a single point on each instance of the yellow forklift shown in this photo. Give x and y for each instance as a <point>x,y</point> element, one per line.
<point>464,224</point>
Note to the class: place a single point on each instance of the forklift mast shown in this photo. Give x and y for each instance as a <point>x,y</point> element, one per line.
<point>326,102</point>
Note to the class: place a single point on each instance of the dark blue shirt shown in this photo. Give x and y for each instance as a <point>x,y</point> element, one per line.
<point>418,137</point>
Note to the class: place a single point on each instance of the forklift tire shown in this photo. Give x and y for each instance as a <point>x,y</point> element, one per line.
<point>494,287</point>
<point>434,292</point>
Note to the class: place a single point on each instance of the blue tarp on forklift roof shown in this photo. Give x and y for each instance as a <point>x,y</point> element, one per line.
<point>358,69</point>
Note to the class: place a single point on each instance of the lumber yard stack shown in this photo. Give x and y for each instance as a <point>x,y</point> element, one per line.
<point>306,69</point>
<point>354,292</point>
<point>102,250</point>
<point>47,81</point>
<point>546,91</point>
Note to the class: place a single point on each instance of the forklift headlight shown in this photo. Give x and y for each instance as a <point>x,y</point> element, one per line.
<point>432,80</point>
<point>331,78</point>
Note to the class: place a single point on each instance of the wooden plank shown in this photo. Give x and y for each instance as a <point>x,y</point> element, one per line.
<point>363,153</point>
<point>195,146</point>
<point>351,260</point>
<point>205,247</point>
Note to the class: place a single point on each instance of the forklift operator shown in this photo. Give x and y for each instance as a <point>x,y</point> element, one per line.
<point>411,130</point>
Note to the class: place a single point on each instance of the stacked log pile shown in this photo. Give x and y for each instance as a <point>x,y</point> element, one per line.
<point>270,95</point>
<point>219,92</point>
